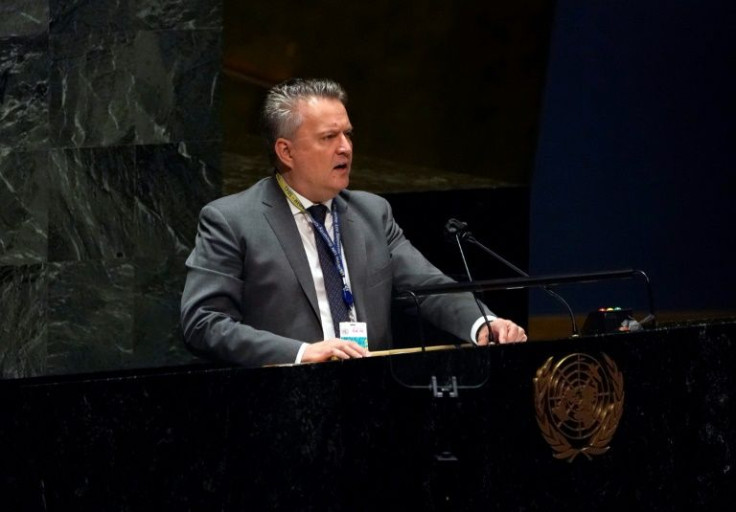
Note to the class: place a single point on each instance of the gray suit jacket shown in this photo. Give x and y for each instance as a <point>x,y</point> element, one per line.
<point>249,296</point>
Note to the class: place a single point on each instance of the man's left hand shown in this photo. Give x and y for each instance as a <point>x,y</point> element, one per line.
<point>502,331</point>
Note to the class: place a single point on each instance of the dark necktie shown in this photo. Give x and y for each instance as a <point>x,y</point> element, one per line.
<point>333,281</point>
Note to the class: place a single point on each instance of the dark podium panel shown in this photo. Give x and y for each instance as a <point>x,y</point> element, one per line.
<point>350,436</point>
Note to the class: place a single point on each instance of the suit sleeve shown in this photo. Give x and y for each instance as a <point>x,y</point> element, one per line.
<point>211,304</point>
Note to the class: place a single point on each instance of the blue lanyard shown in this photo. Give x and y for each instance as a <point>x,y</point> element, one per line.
<point>347,296</point>
<point>334,246</point>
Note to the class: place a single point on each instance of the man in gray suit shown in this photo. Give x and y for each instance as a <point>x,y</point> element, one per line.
<point>273,273</point>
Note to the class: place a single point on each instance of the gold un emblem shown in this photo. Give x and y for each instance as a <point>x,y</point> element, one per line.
<point>579,402</point>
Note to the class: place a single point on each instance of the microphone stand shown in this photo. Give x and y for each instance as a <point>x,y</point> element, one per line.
<point>460,230</point>
<point>515,283</point>
<point>475,295</point>
<point>550,292</point>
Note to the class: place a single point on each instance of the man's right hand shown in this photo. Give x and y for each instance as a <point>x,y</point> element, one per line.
<point>334,348</point>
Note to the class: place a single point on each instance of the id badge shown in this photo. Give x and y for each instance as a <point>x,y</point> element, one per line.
<point>355,331</point>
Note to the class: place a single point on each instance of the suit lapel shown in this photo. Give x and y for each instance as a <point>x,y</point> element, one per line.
<point>353,241</point>
<point>279,217</point>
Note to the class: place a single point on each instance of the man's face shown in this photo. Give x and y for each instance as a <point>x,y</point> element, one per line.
<point>320,152</point>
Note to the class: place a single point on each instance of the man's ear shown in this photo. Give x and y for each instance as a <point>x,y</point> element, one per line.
<point>282,148</point>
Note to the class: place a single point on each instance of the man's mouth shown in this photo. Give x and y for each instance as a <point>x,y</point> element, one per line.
<point>341,167</point>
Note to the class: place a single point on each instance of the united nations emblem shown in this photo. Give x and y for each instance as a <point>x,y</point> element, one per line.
<point>579,402</point>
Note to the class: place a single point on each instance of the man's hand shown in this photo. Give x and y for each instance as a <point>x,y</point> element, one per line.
<point>332,349</point>
<point>502,331</point>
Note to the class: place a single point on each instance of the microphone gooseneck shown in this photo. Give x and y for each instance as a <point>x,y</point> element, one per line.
<point>459,230</point>
<point>458,236</point>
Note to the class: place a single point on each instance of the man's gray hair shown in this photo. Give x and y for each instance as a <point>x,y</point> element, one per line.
<point>280,116</point>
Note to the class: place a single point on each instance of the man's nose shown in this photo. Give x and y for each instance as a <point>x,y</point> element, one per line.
<point>346,145</point>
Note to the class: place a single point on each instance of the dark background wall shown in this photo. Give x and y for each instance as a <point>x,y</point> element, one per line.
<point>635,166</point>
<point>448,86</point>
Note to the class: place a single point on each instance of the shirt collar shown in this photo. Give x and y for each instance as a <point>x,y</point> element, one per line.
<point>307,203</point>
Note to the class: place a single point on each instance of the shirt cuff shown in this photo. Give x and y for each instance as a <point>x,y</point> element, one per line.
<point>478,324</point>
<point>300,354</point>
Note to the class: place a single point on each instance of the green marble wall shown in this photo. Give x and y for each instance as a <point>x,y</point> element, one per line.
<point>109,145</point>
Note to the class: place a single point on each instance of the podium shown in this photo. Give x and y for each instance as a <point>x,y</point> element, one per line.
<point>374,434</point>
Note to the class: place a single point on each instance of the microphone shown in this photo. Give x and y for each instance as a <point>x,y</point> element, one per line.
<point>459,230</point>
<point>454,228</point>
